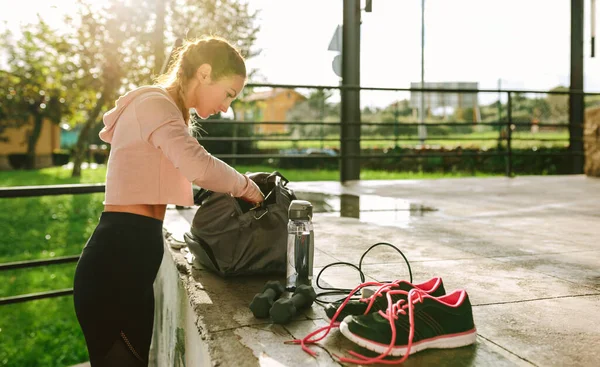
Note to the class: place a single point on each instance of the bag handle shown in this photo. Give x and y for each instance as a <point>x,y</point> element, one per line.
<point>278,174</point>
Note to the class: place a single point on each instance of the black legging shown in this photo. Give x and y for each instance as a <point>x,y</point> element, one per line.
<point>113,292</point>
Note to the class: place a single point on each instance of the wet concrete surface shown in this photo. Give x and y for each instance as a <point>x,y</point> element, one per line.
<point>525,249</point>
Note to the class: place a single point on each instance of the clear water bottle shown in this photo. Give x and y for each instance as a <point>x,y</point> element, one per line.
<point>300,244</point>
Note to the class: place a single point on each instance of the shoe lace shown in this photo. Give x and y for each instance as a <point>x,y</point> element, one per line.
<point>314,337</point>
<point>392,314</point>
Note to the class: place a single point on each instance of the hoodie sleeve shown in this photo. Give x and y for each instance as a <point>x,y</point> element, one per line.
<point>162,125</point>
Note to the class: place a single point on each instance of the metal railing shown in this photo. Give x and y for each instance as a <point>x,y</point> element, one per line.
<point>505,128</point>
<point>35,191</point>
<point>509,125</point>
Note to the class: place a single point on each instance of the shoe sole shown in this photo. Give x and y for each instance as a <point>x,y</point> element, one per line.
<point>440,342</point>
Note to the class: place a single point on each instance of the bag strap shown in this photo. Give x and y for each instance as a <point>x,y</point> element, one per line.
<point>201,195</point>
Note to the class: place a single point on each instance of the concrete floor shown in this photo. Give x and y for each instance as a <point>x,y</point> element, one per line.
<point>526,250</point>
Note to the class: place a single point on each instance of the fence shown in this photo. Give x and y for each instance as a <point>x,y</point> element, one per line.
<point>505,127</point>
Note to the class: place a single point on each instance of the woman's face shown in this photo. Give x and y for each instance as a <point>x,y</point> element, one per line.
<point>212,96</point>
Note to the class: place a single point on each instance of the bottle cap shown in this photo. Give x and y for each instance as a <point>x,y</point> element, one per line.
<point>300,209</point>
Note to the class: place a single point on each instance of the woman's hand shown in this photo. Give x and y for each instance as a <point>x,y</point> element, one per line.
<point>252,193</point>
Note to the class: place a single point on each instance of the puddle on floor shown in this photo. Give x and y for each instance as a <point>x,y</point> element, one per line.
<point>367,208</point>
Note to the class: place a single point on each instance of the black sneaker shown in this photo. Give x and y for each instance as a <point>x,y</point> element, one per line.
<point>444,322</point>
<point>434,287</point>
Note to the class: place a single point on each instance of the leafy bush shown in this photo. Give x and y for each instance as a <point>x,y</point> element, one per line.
<point>17,160</point>
<point>60,157</point>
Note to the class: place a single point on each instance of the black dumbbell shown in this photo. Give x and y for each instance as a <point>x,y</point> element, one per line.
<point>262,302</point>
<point>284,309</point>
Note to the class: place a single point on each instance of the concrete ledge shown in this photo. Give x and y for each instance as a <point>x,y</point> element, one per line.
<point>525,249</point>
<point>179,338</point>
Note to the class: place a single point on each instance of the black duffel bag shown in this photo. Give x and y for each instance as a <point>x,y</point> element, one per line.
<point>231,237</point>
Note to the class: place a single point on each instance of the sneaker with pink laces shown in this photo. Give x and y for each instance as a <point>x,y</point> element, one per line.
<point>419,321</point>
<point>434,286</point>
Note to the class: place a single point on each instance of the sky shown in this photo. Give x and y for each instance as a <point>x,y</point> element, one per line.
<point>523,43</point>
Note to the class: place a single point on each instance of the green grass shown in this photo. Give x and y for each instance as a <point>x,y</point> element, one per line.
<point>43,332</point>
<point>452,143</point>
<point>50,176</point>
<point>46,332</point>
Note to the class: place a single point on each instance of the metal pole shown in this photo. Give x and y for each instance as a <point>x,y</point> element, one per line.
<point>34,296</point>
<point>396,128</point>
<point>322,116</point>
<point>576,101</point>
<point>499,114</point>
<point>593,27</point>
<point>509,136</point>
<point>350,104</point>
<point>422,130</point>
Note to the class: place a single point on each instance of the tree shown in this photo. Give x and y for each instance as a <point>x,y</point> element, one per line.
<point>314,109</point>
<point>109,44</point>
<point>230,19</point>
<point>559,104</point>
<point>158,39</point>
<point>121,53</point>
<point>7,92</point>
<point>34,92</point>
<point>110,49</point>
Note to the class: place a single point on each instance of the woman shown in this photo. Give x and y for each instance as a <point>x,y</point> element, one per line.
<point>152,163</point>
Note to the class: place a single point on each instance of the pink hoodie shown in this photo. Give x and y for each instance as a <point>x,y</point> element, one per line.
<point>153,157</point>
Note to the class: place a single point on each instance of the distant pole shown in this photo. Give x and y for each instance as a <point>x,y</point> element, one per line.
<point>322,117</point>
<point>593,27</point>
<point>576,105</point>
<point>422,130</point>
<point>499,113</point>
<point>350,103</point>
<point>396,129</point>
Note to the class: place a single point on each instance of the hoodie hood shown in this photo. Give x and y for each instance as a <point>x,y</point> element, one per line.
<point>111,117</point>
